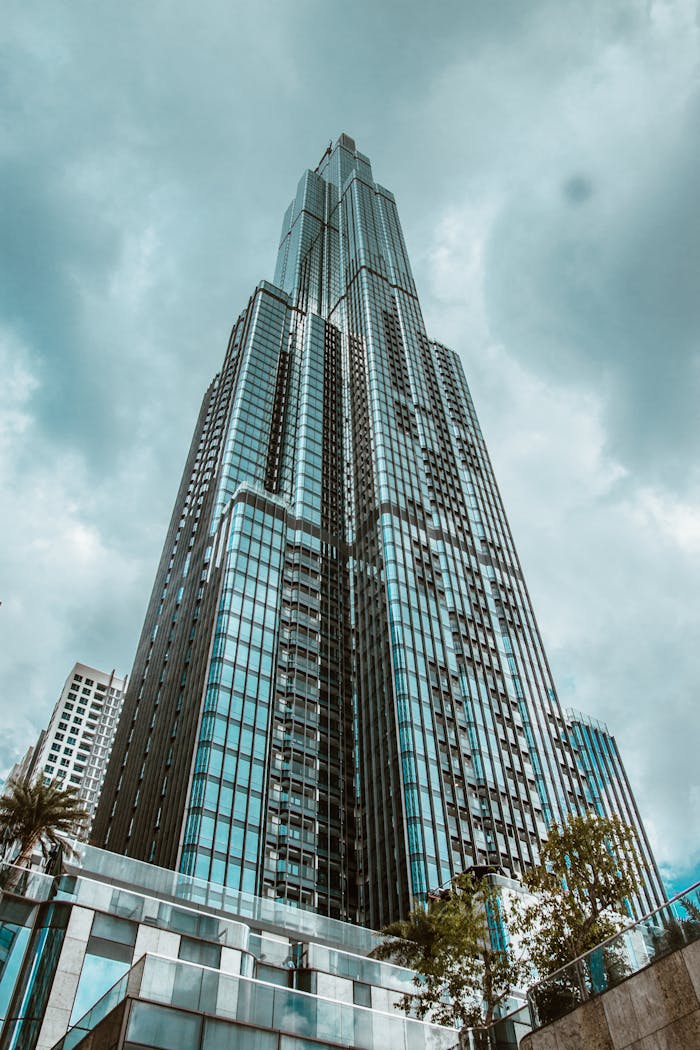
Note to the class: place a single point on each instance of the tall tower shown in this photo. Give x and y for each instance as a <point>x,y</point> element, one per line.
<point>340,697</point>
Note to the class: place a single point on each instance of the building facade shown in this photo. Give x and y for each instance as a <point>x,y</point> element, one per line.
<point>75,746</point>
<point>608,792</point>
<point>115,954</point>
<point>340,696</point>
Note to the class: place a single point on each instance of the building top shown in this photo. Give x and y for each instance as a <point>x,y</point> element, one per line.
<point>83,718</point>
<point>587,720</point>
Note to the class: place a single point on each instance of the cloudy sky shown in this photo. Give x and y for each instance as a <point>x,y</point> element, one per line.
<point>545,156</point>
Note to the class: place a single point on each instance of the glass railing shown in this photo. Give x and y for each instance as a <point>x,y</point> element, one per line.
<point>672,926</point>
<point>260,910</point>
<point>25,883</point>
<point>241,1000</point>
<point>193,922</point>
<point>177,918</point>
<point>139,907</point>
<point>359,968</point>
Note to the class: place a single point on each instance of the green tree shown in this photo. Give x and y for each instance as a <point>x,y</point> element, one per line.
<point>33,814</point>
<point>462,977</point>
<point>589,867</point>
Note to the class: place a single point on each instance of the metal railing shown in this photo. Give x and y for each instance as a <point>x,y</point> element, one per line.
<point>656,935</point>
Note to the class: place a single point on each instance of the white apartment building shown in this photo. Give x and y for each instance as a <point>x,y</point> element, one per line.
<point>76,745</point>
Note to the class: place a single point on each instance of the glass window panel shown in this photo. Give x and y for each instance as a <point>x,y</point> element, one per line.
<point>13,941</point>
<point>255,1003</point>
<point>97,976</point>
<point>206,954</point>
<point>195,989</point>
<point>221,1036</point>
<point>297,1013</point>
<point>290,1042</point>
<point>162,1028</point>
<point>272,975</point>
<point>110,928</point>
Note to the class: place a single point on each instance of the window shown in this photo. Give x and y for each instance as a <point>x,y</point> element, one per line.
<point>115,930</point>
<point>202,952</point>
<point>221,1036</point>
<point>107,958</point>
<point>157,1026</point>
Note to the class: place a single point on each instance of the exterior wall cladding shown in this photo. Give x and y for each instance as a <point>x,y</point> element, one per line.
<point>340,697</point>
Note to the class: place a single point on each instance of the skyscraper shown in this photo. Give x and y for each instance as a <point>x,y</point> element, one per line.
<point>340,696</point>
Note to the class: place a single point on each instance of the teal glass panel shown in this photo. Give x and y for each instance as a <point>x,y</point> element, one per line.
<point>13,943</point>
<point>219,1035</point>
<point>162,1028</point>
<point>97,976</point>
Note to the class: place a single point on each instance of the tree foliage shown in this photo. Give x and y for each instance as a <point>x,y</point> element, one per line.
<point>462,977</point>
<point>33,813</point>
<point>589,867</point>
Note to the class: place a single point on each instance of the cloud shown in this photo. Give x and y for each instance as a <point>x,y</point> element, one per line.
<point>605,293</point>
<point>70,578</point>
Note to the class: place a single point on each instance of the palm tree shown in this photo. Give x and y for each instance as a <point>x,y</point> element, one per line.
<point>463,977</point>
<point>34,813</point>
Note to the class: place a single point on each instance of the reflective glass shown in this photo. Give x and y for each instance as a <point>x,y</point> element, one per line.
<point>163,1028</point>
<point>221,1036</point>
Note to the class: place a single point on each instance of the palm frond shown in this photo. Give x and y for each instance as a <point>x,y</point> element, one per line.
<point>33,812</point>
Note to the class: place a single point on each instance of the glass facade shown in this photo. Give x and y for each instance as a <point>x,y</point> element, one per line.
<point>246,1010</point>
<point>126,954</point>
<point>340,697</point>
